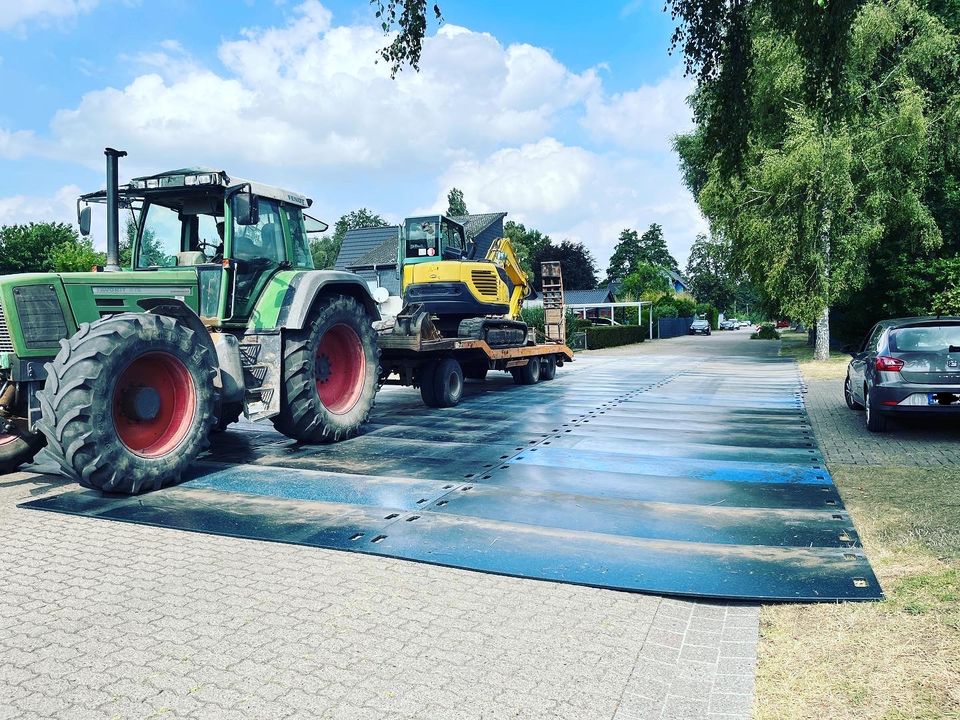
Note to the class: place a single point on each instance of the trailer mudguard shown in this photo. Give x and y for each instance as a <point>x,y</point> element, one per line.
<point>305,287</point>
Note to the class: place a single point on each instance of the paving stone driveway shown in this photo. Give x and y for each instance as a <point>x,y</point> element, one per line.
<point>844,438</point>
<point>111,620</point>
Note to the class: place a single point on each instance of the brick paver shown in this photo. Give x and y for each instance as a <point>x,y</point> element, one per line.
<point>112,620</point>
<point>844,439</point>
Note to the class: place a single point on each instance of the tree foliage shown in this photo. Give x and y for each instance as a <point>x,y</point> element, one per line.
<point>645,280</point>
<point>456,205</point>
<point>44,247</point>
<point>526,244</point>
<point>633,250</point>
<point>576,263</point>
<point>326,248</point>
<point>708,271</point>
<point>847,122</point>
<point>409,17</point>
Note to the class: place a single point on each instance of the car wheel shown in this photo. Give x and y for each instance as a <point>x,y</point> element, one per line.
<point>848,395</point>
<point>875,421</point>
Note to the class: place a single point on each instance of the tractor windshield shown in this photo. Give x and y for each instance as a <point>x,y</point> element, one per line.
<point>171,237</point>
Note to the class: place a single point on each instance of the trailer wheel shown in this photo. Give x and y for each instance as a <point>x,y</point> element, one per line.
<point>129,402</point>
<point>476,370</point>
<point>528,374</point>
<point>18,449</point>
<point>426,375</point>
<point>330,372</point>
<point>447,384</point>
<point>548,368</point>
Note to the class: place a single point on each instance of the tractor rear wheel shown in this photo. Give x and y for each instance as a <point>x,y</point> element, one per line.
<point>331,370</point>
<point>129,402</point>
<point>18,449</point>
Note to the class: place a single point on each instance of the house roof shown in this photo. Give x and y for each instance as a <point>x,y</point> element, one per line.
<point>361,241</point>
<point>597,296</point>
<point>676,277</point>
<point>385,253</point>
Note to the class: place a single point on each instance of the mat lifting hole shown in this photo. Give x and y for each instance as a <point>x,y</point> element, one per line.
<point>391,516</point>
<point>860,582</point>
<point>379,538</point>
<point>356,536</point>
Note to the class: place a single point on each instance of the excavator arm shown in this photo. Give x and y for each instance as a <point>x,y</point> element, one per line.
<point>501,253</point>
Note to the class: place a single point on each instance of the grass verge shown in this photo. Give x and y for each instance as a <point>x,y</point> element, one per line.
<point>896,659</point>
<point>794,344</point>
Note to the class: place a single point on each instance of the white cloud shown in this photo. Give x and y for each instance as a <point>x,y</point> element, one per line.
<point>305,105</point>
<point>642,119</point>
<point>14,145</point>
<point>309,95</point>
<point>60,207</point>
<point>16,14</point>
<point>573,193</point>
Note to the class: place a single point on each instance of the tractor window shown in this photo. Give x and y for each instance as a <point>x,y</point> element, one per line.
<point>160,240</point>
<point>262,242</point>
<point>210,237</point>
<point>302,257</point>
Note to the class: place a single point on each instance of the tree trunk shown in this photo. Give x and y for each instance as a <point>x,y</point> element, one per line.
<point>821,350</point>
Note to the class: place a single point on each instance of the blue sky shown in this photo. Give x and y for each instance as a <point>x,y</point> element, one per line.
<point>559,113</point>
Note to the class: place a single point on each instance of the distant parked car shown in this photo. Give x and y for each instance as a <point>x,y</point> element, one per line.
<point>906,366</point>
<point>729,324</point>
<point>700,327</point>
<point>743,324</point>
<point>602,321</point>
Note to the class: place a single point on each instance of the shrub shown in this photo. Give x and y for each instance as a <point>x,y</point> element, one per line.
<point>767,332</point>
<point>611,336</point>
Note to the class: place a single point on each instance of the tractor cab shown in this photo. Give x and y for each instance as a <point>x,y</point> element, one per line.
<point>234,234</point>
<point>431,238</point>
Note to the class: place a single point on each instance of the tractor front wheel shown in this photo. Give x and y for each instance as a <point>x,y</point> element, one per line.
<point>330,373</point>
<point>17,449</point>
<point>128,402</point>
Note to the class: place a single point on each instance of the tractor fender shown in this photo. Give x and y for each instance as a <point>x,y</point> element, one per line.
<point>307,286</point>
<point>229,371</point>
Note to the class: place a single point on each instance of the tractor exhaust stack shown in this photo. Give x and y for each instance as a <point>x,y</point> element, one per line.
<point>113,209</point>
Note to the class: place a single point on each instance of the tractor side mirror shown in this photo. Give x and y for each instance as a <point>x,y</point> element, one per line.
<point>246,209</point>
<point>83,220</point>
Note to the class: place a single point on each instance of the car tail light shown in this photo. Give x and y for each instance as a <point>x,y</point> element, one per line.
<point>889,364</point>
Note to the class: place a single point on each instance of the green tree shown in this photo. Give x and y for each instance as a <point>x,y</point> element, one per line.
<point>576,263</point>
<point>526,244</point>
<point>410,19</point>
<point>456,206</point>
<point>830,157</point>
<point>633,250</point>
<point>708,273</point>
<point>77,256</point>
<point>326,248</point>
<point>31,248</point>
<point>645,280</point>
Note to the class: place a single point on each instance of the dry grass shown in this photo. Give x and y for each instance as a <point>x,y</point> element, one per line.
<point>794,344</point>
<point>896,659</point>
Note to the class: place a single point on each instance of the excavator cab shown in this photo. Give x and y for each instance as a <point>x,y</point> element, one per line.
<point>433,237</point>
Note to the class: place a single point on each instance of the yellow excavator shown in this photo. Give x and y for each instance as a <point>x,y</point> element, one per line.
<point>464,297</point>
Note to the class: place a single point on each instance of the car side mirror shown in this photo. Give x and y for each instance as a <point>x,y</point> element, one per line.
<point>246,209</point>
<point>83,220</point>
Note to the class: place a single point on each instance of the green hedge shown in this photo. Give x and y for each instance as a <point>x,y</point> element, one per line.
<point>610,336</point>
<point>767,332</point>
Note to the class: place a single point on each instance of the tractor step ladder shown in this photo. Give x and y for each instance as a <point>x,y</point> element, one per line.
<point>260,358</point>
<point>554,311</point>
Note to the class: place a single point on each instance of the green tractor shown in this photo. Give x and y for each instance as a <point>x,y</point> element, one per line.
<point>124,373</point>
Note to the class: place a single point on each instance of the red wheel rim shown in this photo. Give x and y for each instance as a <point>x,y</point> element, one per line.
<point>340,369</point>
<point>154,403</point>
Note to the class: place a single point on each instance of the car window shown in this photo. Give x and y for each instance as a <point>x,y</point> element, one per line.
<point>870,344</point>
<point>925,339</point>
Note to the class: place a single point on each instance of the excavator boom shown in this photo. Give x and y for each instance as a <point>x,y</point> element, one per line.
<point>501,253</point>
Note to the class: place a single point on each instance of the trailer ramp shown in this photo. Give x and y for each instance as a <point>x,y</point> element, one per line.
<point>651,474</point>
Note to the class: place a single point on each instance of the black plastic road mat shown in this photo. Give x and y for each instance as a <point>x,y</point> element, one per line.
<point>653,474</point>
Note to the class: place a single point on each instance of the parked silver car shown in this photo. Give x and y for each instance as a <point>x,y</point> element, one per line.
<point>907,365</point>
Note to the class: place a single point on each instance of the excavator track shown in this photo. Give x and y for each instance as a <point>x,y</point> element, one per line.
<point>496,332</point>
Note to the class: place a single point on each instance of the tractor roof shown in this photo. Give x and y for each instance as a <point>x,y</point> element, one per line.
<point>200,178</point>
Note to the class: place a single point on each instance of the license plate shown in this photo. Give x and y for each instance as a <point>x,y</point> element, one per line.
<point>932,400</point>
